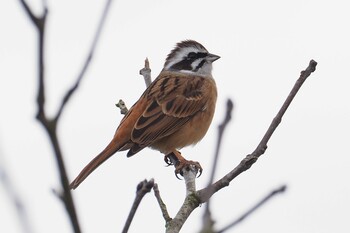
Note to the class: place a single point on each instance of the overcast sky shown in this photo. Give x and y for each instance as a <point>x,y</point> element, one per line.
<point>263,47</point>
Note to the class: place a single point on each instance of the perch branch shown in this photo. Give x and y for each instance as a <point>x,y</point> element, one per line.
<point>250,159</point>
<point>190,174</point>
<point>142,188</point>
<point>255,207</point>
<point>191,202</point>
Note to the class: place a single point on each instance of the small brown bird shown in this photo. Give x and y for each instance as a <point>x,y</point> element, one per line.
<point>174,111</point>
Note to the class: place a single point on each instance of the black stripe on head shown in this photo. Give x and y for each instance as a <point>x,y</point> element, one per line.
<point>201,53</point>
<point>197,55</point>
<point>186,63</point>
<point>182,65</point>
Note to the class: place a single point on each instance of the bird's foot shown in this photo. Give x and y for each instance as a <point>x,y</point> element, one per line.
<point>188,165</point>
<point>180,163</point>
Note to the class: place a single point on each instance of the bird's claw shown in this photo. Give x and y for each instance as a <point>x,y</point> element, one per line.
<point>180,163</point>
<point>187,164</point>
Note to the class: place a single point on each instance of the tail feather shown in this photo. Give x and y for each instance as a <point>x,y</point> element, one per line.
<point>97,161</point>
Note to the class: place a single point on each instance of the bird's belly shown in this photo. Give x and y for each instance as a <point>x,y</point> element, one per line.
<point>191,133</point>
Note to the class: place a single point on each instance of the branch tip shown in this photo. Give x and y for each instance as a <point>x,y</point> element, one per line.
<point>147,63</point>
<point>141,189</point>
<point>146,73</point>
<point>313,65</point>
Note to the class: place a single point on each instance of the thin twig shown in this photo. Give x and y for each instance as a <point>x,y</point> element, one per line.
<point>260,149</point>
<point>254,208</point>
<point>221,128</point>
<point>208,222</point>
<point>250,159</point>
<point>161,204</point>
<point>39,22</point>
<point>146,73</point>
<point>35,19</point>
<point>51,124</point>
<point>71,91</point>
<point>142,188</point>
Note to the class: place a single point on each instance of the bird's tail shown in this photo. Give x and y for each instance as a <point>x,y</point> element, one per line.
<point>111,148</point>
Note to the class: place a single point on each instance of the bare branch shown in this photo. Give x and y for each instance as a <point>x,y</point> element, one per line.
<point>250,159</point>
<point>191,202</point>
<point>208,222</point>
<point>255,207</point>
<point>162,206</point>
<point>222,127</point>
<point>51,124</point>
<point>142,188</point>
<point>146,73</point>
<point>277,120</point>
<point>71,91</point>
<point>190,174</point>
<point>38,21</point>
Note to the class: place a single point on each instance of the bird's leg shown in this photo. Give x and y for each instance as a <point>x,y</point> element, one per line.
<point>175,158</point>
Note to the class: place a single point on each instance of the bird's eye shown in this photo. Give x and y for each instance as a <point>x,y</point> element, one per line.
<point>191,55</point>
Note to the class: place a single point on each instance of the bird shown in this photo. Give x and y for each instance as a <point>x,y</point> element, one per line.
<point>174,111</point>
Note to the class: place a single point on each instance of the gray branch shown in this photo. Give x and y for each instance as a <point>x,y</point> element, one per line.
<point>142,188</point>
<point>194,199</point>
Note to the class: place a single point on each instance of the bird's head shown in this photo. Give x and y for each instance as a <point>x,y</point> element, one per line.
<point>191,57</point>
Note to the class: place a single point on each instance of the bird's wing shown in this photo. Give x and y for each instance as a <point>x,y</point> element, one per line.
<point>173,101</point>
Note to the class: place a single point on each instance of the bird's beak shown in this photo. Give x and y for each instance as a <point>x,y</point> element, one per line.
<point>212,57</point>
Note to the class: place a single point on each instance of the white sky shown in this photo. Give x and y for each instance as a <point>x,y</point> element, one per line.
<point>263,46</point>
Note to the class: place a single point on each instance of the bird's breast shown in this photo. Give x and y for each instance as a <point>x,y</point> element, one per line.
<point>194,130</point>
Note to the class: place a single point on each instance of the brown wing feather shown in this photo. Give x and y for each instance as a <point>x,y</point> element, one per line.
<point>174,100</point>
